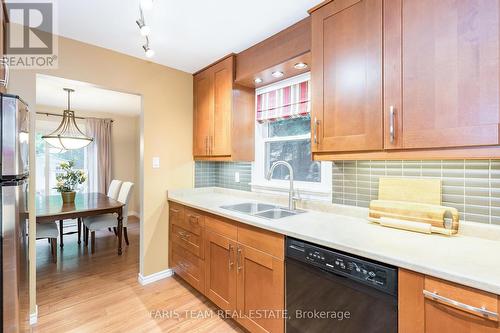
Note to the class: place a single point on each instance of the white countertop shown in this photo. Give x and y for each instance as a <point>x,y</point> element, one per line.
<point>467,260</point>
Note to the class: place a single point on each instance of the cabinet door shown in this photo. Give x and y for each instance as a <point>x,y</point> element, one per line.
<point>220,270</point>
<point>220,139</point>
<point>445,55</point>
<point>203,111</point>
<point>418,313</point>
<point>261,290</point>
<point>443,315</point>
<point>347,76</point>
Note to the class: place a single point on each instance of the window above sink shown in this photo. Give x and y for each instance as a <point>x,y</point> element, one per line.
<point>285,134</point>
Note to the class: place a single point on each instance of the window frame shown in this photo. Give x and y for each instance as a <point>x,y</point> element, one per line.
<point>306,190</point>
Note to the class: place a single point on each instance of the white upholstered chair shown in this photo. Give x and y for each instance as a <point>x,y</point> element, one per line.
<point>113,191</point>
<point>92,224</point>
<point>49,231</point>
<point>114,188</point>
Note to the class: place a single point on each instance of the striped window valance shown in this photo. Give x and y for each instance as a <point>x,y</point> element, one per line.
<point>289,102</point>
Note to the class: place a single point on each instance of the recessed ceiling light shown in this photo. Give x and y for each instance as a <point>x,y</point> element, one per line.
<point>257,80</point>
<point>277,74</point>
<point>300,65</point>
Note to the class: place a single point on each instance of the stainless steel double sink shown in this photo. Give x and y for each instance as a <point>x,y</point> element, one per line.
<point>258,209</point>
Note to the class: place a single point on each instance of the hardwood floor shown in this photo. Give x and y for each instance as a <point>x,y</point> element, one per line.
<point>100,292</point>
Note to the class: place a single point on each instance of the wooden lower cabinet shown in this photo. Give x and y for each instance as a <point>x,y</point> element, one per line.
<point>424,314</point>
<point>240,269</point>
<point>220,272</point>
<point>260,286</point>
<point>189,267</point>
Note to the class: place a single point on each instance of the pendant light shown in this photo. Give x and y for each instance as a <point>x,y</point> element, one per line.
<point>67,136</point>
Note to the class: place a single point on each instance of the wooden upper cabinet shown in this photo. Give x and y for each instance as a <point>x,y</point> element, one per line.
<point>442,73</point>
<point>347,76</point>
<point>223,115</point>
<point>223,82</point>
<point>203,111</point>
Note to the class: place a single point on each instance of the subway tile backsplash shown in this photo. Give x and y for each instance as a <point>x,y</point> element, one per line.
<point>471,186</point>
<point>222,174</point>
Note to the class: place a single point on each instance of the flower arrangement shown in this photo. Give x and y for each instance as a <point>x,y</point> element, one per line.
<point>68,181</point>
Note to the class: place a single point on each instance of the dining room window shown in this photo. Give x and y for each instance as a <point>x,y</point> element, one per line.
<point>283,132</point>
<point>49,158</point>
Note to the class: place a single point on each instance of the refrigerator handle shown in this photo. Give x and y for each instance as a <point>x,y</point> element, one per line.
<point>6,74</point>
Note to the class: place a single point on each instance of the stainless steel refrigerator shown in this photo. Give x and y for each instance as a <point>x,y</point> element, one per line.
<point>14,213</point>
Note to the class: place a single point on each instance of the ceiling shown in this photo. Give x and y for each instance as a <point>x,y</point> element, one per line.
<point>187,34</point>
<point>87,97</point>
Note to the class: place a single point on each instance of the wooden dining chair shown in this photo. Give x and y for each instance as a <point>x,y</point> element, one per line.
<point>92,224</point>
<point>49,231</point>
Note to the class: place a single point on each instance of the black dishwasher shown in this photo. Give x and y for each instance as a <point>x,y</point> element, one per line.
<point>332,291</point>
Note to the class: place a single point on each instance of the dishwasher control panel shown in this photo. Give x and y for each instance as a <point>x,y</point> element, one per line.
<point>380,276</point>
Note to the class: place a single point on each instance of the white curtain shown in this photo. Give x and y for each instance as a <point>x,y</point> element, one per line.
<point>99,154</point>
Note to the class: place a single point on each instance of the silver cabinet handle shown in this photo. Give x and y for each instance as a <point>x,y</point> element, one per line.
<point>206,145</point>
<point>238,260</point>
<point>211,145</point>
<point>316,125</point>
<point>231,250</point>
<point>193,219</point>
<point>392,132</point>
<point>478,311</point>
<point>183,235</point>
<point>5,81</point>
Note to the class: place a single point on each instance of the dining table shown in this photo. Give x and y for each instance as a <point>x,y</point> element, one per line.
<point>50,208</point>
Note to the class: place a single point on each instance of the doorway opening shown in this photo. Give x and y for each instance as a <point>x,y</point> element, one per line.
<point>77,256</point>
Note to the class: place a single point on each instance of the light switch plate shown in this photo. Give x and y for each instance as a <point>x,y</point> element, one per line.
<point>236,177</point>
<point>156,162</point>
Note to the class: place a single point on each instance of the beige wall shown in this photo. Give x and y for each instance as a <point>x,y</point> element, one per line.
<point>125,153</point>
<point>166,133</point>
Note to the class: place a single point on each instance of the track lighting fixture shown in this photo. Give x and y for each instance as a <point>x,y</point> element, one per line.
<point>146,4</point>
<point>149,51</point>
<point>144,28</point>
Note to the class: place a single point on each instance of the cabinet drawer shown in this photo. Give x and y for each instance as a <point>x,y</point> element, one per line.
<point>464,299</point>
<point>189,267</point>
<point>263,240</point>
<point>187,240</point>
<point>222,226</point>
<point>175,213</point>
<point>190,221</point>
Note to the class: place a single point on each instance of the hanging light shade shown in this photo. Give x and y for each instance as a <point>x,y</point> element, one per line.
<point>67,136</point>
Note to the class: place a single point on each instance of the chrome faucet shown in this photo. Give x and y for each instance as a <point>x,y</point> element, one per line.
<point>291,192</point>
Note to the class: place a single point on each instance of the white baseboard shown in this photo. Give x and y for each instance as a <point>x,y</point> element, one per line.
<point>134,213</point>
<point>34,316</point>
<point>144,280</point>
